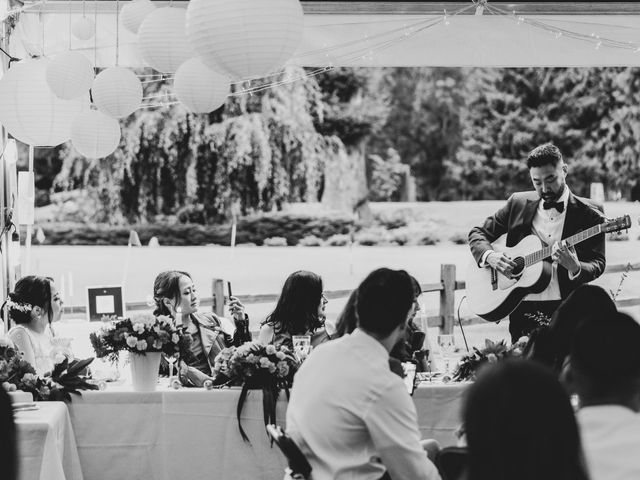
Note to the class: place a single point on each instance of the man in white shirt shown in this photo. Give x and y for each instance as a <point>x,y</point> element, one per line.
<point>552,213</point>
<point>349,414</point>
<point>604,370</point>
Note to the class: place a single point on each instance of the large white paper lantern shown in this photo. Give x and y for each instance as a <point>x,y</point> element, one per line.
<point>117,92</point>
<point>83,28</point>
<point>134,13</point>
<point>199,88</point>
<point>95,135</point>
<point>29,109</point>
<point>70,75</point>
<point>162,39</point>
<point>244,38</point>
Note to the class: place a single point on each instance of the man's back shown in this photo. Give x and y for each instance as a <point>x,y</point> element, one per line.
<point>610,438</point>
<point>349,414</point>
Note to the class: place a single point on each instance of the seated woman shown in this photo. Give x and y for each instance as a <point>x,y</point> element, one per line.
<point>520,425</point>
<point>34,305</point>
<point>175,295</point>
<point>299,311</point>
<point>550,345</point>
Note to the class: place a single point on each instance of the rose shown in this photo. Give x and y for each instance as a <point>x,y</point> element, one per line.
<point>132,341</point>
<point>138,327</point>
<point>270,349</point>
<point>141,345</point>
<point>280,356</point>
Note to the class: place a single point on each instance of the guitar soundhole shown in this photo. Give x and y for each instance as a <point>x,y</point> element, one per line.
<point>519,266</point>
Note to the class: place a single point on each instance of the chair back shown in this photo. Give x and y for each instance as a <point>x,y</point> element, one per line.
<point>452,463</point>
<point>299,468</point>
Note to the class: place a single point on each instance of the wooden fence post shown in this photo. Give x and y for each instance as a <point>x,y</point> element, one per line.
<point>447,298</point>
<point>217,292</point>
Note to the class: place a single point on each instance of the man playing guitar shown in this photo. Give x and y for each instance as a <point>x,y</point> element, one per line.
<point>552,213</point>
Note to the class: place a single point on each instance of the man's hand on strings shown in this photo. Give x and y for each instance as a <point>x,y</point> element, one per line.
<point>500,262</point>
<point>566,256</point>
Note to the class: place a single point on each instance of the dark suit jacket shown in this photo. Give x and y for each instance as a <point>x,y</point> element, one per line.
<point>516,220</point>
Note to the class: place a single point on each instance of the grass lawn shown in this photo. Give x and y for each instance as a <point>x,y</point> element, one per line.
<point>262,270</point>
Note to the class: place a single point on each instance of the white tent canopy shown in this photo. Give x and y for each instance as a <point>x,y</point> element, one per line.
<point>387,34</point>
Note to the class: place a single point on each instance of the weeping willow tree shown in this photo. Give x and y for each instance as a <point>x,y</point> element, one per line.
<point>254,154</point>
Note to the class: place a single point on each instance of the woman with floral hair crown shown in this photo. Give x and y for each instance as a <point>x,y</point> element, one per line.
<point>33,306</point>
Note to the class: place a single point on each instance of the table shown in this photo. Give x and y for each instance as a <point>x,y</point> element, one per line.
<point>193,433</point>
<point>46,444</point>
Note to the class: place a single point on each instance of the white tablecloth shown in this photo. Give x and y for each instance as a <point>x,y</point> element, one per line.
<point>193,434</point>
<point>46,444</point>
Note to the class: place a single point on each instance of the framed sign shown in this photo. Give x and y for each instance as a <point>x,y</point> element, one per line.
<point>101,301</point>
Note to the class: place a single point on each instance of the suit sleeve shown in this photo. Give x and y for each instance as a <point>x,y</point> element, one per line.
<point>591,253</point>
<point>481,237</point>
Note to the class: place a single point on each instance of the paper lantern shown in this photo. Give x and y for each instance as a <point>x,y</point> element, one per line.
<point>162,39</point>
<point>244,38</point>
<point>70,75</point>
<point>199,88</point>
<point>134,13</point>
<point>95,135</point>
<point>30,110</point>
<point>83,28</point>
<point>117,92</point>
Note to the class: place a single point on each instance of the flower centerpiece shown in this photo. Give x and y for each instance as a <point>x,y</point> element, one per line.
<point>257,366</point>
<point>65,379</point>
<point>492,352</point>
<point>145,337</point>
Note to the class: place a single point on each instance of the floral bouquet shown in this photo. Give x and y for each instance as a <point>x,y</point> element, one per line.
<point>257,366</point>
<point>18,374</point>
<point>138,335</point>
<point>493,352</point>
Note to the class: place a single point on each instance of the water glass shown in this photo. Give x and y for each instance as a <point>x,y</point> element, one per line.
<point>447,347</point>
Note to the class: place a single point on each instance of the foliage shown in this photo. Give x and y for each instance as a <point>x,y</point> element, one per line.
<point>139,335</point>
<point>310,241</point>
<point>275,242</point>
<point>493,352</point>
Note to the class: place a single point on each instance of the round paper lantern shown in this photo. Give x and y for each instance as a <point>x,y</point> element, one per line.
<point>95,135</point>
<point>117,92</point>
<point>30,111</point>
<point>244,38</point>
<point>162,39</point>
<point>83,28</point>
<point>70,75</point>
<point>134,13</point>
<point>199,88</point>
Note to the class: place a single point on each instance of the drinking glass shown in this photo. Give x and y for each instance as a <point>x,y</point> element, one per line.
<point>447,347</point>
<point>171,359</point>
<point>301,346</point>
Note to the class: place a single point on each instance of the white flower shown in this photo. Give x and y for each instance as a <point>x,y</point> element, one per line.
<point>138,327</point>
<point>517,352</point>
<point>6,342</point>
<point>157,344</point>
<point>58,358</point>
<point>270,349</point>
<point>132,341</point>
<point>523,340</point>
<point>280,355</point>
<point>175,338</point>
<point>142,345</point>
<point>491,358</point>
<point>264,362</point>
<point>145,319</point>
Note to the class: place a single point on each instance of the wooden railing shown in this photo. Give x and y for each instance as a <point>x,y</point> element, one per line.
<point>447,287</point>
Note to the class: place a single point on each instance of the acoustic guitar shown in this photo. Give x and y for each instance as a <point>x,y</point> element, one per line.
<point>493,296</point>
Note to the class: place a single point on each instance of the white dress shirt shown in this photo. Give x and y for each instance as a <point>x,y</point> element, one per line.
<point>611,441</point>
<point>352,417</point>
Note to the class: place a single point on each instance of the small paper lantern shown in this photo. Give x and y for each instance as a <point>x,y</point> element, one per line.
<point>30,111</point>
<point>244,38</point>
<point>117,92</point>
<point>134,13</point>
<point>199,88</point>
<point>70,75</point>
<point>162,39</point>
<point>83,28</point>
<point>95,135</point>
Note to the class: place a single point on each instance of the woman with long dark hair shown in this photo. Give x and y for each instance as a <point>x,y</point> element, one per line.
<point>520,424</point>
<point>175,296</point>
<point>33,306</point>
<point>299,311</point>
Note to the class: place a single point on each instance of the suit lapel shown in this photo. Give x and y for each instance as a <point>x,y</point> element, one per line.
<point>571,218</point>
<point>529,212</point>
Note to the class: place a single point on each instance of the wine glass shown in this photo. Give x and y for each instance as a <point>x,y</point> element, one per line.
<point>447,347</point>
<point>171,359</point>
<point>301,346</point>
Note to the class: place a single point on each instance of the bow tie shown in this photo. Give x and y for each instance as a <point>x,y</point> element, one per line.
<point>559,206</point>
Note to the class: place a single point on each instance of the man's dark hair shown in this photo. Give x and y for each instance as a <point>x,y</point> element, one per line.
<point>605,358</point>
<point>383,300</point>
<point>546,154</point>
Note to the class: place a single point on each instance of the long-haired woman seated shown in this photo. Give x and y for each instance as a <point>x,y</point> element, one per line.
<point>299,311</point>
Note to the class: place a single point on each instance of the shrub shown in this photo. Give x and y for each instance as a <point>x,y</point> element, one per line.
<point>310,241</point>
<point>400,236</point>
<point>191,214</point>
<point>338,240</point>
<point>459,238</point>
<point>372,236</point>
<point>427,238</point>
<point>393,218</point>
<point>275,242</point>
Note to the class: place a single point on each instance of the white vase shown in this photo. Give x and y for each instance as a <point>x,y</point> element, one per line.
<point>144,371</point>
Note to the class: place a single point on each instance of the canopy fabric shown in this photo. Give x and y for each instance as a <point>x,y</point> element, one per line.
<point>375,40</point>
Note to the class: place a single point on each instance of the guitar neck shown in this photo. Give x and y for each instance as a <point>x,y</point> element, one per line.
<point>546,252</point>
